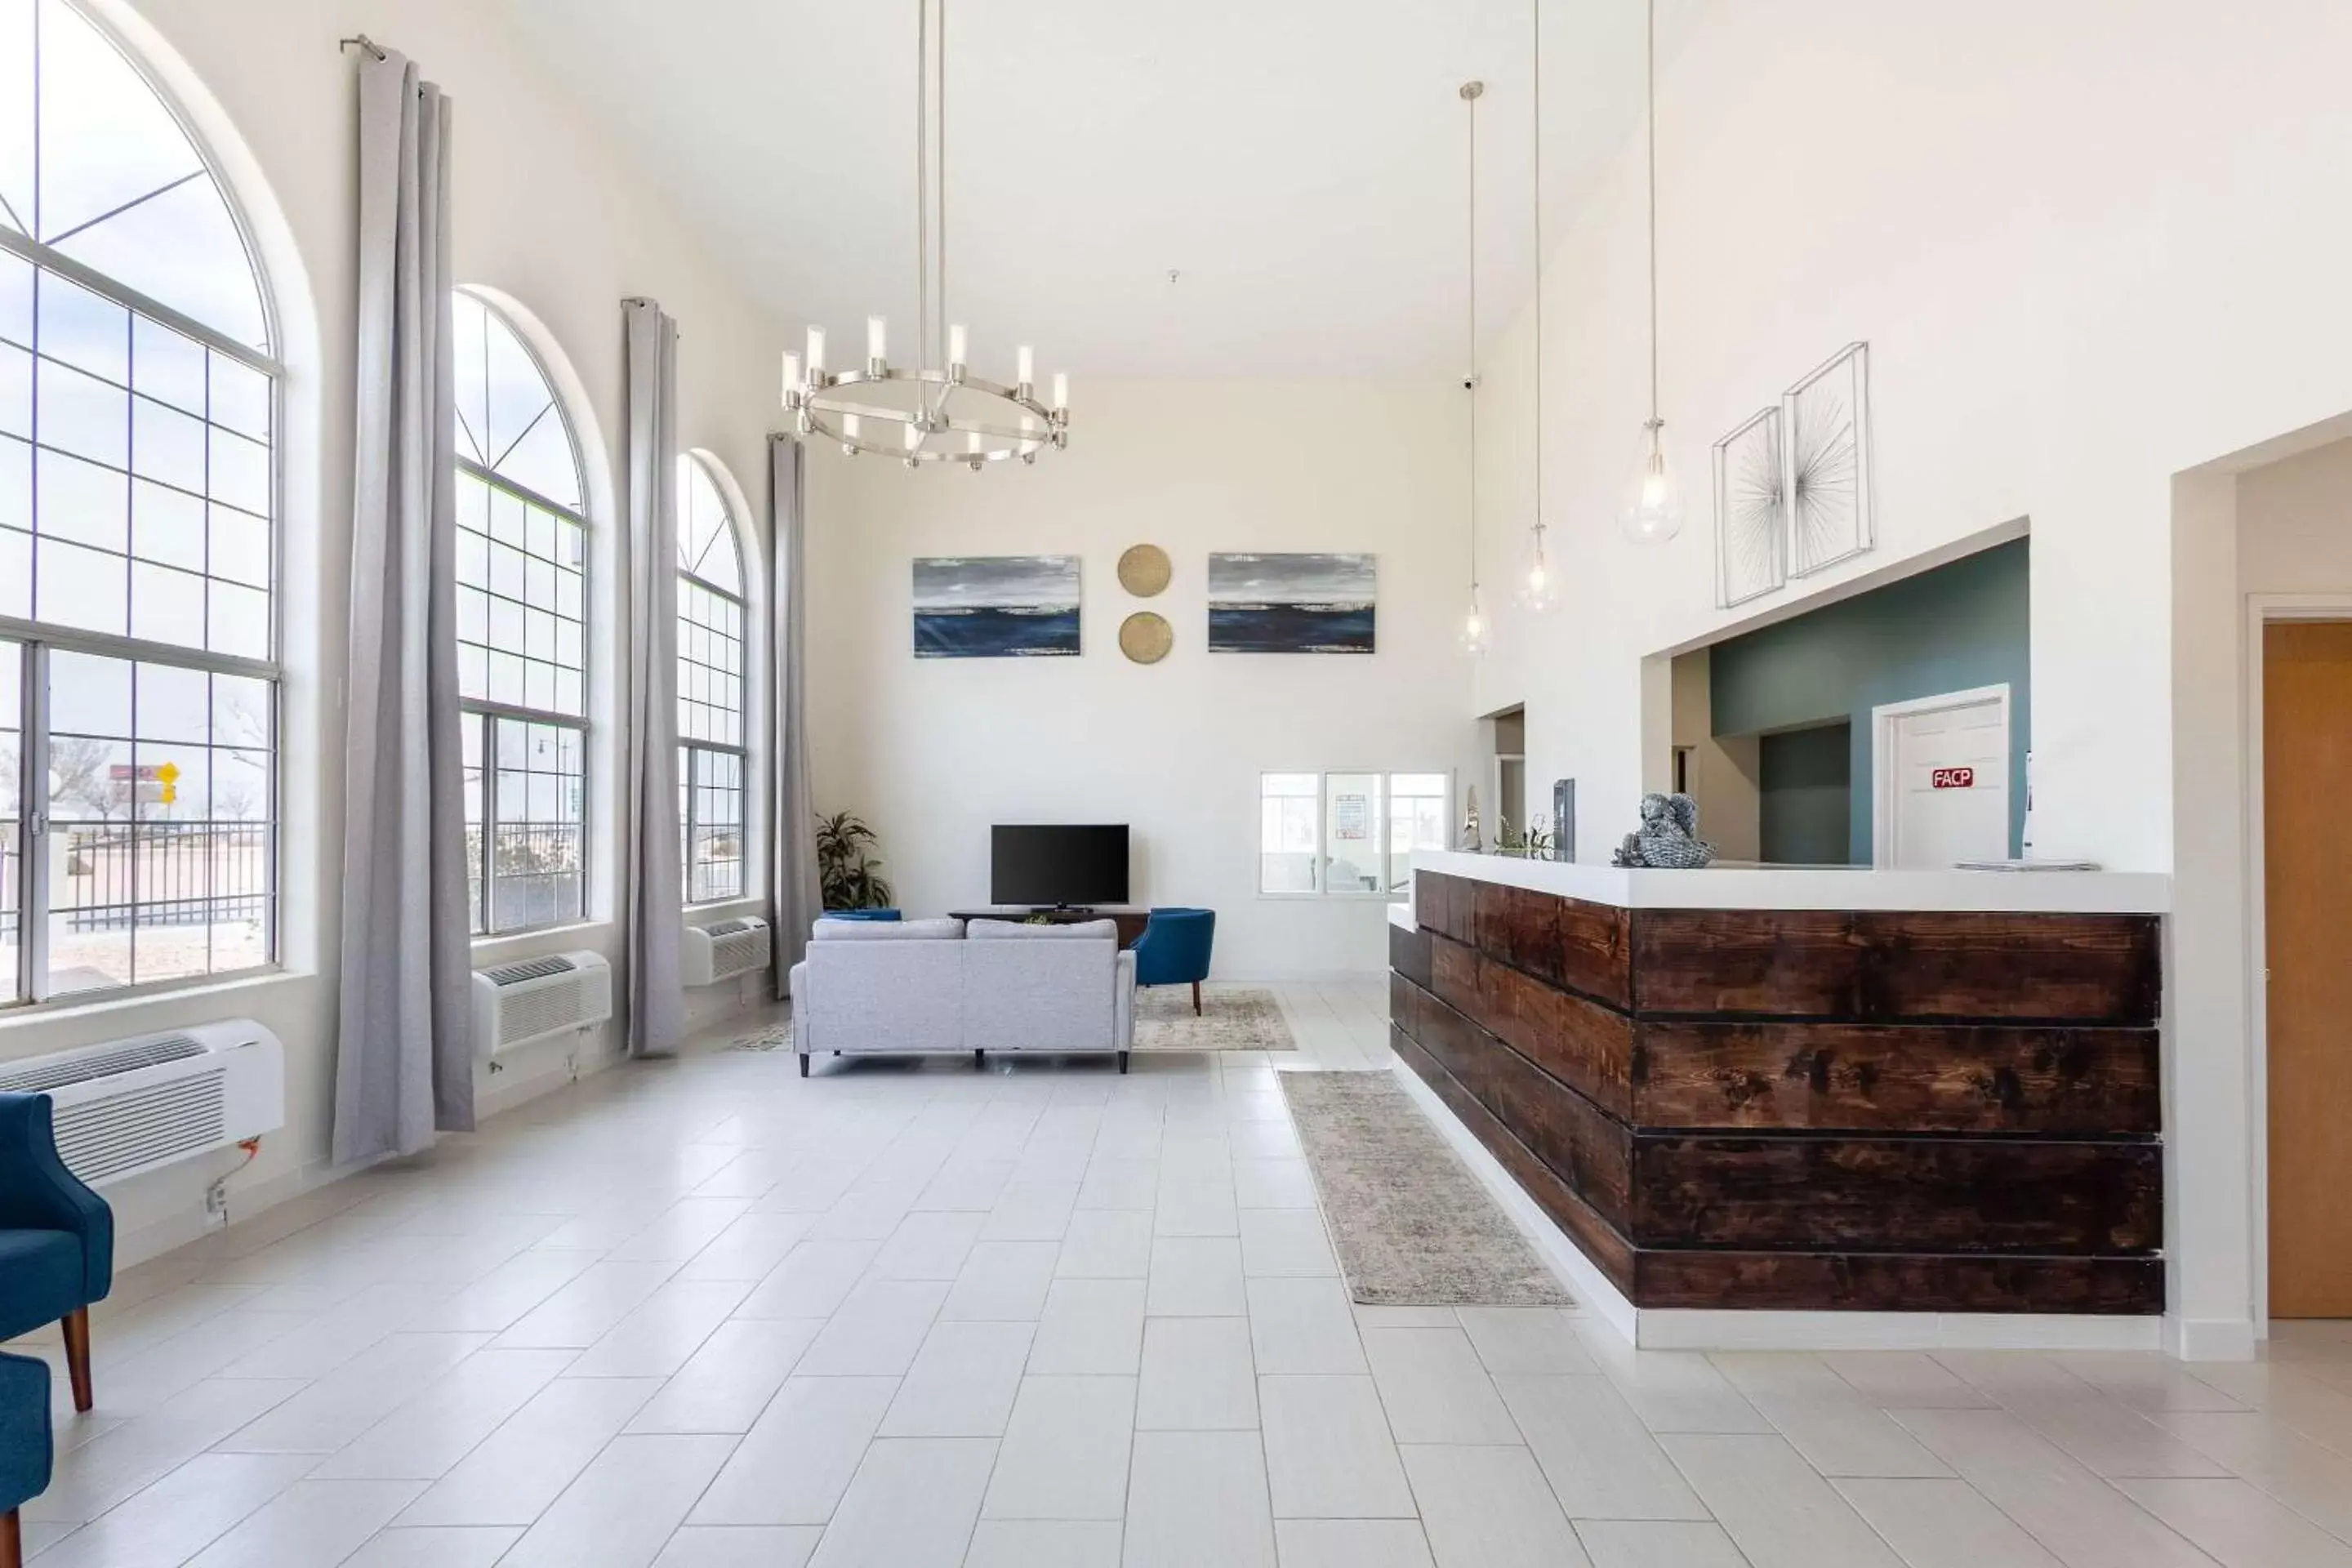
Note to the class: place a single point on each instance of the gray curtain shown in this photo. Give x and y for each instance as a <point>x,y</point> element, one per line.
<point>653,890</point>
<point>795,892</point>
<point>403,1046</point>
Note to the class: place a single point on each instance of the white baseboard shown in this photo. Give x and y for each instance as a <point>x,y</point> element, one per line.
<point>1658,1328</point>
<point>2210,1339</point>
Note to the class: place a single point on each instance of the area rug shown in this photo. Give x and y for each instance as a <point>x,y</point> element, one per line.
<point>1240,1018</point>
<point>774,1038</point>
<point>1414,1227</point>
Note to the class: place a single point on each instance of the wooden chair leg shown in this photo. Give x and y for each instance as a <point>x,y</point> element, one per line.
<point>76,1329</point>
<point>12,1542</point>
<point>1196,998</point>
<point>1122,1061</point>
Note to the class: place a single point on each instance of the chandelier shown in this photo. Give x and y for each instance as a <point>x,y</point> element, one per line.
<point>934,410</point>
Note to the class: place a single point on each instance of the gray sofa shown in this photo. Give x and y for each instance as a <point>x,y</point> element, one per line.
<point>935,988</point>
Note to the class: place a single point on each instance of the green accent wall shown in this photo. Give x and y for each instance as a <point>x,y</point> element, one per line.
<point>1957,626</point>
<point>1805,794</point>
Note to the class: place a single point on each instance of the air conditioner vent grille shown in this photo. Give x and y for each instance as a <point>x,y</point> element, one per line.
<point>83,1066</point>
<point>727,928</point>
<point>543,1011</point>
<point>528,969</point>
<point>740,954</point>
<point>100,1137</point>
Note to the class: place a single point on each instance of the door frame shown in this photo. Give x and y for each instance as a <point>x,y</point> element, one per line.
<point>2262,609</point>
<point>1882,753</point>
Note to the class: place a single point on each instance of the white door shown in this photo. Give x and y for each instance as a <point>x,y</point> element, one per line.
<point>1943,775</point>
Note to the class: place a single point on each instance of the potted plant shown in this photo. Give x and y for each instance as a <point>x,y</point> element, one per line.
<point>848,873</point>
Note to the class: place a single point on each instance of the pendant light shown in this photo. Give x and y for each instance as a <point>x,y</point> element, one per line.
<point>1653,512</point>
<point>1475,629</point>
<point>1539,590</point>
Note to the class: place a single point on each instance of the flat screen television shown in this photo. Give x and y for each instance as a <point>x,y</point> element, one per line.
<point>1081,863</point>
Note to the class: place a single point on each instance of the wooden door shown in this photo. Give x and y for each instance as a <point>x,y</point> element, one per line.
<point>2308,861</point>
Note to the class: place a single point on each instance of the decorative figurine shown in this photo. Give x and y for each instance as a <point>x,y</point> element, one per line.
<point>1471,844</point>
<point>1668,837</point>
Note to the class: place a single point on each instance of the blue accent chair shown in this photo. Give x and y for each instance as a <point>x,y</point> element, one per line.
<point>25,1446</point>
<point>56,1237</point>
<point>1174,949</point>
<point>859,915</point>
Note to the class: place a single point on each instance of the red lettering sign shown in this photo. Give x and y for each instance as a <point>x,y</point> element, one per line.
<point>1953,778</point>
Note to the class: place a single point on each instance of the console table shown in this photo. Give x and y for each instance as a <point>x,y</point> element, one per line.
<point>1129,919</point>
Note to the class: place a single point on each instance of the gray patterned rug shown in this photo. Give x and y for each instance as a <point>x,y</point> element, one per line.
<point>1235,1018</point>
<point>1412,1225</point>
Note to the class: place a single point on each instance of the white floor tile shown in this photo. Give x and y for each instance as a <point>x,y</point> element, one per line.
<point>664,1332</point>
<point>812,1280</point>
<point>878,1331</point>
<point>1536,1341</point>
<point>796,1461</point>
<point>911,1505</point>
<point>585,1311</point>
<point>1329,1453</point>
<point>1303,1326</point>
<point>1196,1277</point>
<point>1656,1544</point>
<point>624,1506</point>
<point>1943,1524</point>
<point>1775,1507</point>
<point>1114,1182</point>
<point>1195,1499</point>
<point>424,1437</point>
<point>1351,1544</point>
<point>748,1250</point>
<point>309,1521</point>
<point>1198,1375</point>
<point>729,1380</point>
<point>1003,1281</point>
<point>1065,1451</point>
<point>1035,1208</point>
<point>180,1514</point>
<point>1273,1184</point>
<point>92,1477</point>
<point>928,1245</point>
<point>1602,1463</point>
<point>1090,1328</point>
<point>1489,1507</point>
<point>1106,1244</point>
<point>1043,1543</point>
<point>2238,1525</point>
<point>962,1383</point>
<point>740,1546</point>
<point>1845,1434</point>
<point>2308,1476</point>
<point>1286,1243</point>
<point>516,1472</point>
<point>1434,1388</point>
<point>345,1403</point>
<point>437,1546</point>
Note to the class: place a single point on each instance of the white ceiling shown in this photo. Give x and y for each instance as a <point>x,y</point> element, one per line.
<point>1300,164</point>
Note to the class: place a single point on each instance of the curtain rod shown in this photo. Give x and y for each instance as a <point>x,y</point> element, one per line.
<point>363,42</point>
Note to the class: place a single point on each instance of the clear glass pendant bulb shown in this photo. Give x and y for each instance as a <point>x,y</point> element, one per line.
<point>1538,587</point>
<point>1475,629</point>
<point>1654,512</point>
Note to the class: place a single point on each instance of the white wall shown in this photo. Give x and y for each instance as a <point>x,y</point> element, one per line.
<point>933,751</point>
<point>545,211</point>
<point>2084,243</point>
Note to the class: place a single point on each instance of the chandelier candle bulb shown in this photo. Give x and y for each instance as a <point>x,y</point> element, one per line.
<point>1061,392</point>
<point>791,379</point>
<point>877,339</point>
<point>957,344</point>
<point>815,352</point>
<point>1025,359</point>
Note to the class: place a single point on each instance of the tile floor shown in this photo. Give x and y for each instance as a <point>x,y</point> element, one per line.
<point>705,1314</point>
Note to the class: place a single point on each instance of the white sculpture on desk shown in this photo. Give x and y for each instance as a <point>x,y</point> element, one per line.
<point>1470,844</point>
<point>1668,837</point>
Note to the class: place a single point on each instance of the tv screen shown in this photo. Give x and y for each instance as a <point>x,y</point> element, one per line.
<point>1064,864</point>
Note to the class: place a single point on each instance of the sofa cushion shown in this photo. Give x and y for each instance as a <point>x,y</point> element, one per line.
<point>40,1279</point>
<point>1022,931</point>
<point>887,930</point>
<point>25,1432</point>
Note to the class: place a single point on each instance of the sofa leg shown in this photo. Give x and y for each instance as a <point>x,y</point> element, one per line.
<point>76,1327</point>
<point>980,1058</point>
<point>804,1064</point>
<point>12,1542</point>
<point>1196,998</point>
<point>1122,1061</point>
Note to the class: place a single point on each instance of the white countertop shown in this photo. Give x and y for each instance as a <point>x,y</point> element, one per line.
<point>1815,887</point>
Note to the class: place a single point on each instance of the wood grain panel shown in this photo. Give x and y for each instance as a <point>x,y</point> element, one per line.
<point>1923,1195</point>
<point>1596,947</point>
<point>1447,905</point>
<point>1920,1077</point>
<point>1568,1133</point>
<point>1884,967</point>
<point>1593,1236</point>
<point>1904,1283</point>
<point>1580,1043</point>
<point>1409,954</point>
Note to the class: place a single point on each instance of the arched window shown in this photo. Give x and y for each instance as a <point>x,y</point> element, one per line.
<point>522,593</point>
<point>139,407</point>
<point>710,756</point>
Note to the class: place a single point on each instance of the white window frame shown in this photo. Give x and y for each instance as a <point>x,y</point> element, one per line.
<point>29,989</point>
<point>485,712</point>
<point>740,751</point>
<point>1323,777</point>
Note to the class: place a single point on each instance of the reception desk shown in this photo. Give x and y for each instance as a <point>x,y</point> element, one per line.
<point>1801,1089</point>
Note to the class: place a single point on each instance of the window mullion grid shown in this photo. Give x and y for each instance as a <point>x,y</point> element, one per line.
<point>33,886</point>
<point>693,799</point>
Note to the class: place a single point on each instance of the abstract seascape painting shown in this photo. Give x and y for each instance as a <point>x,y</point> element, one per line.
<point>996,607</point>
<point>1292,604</point>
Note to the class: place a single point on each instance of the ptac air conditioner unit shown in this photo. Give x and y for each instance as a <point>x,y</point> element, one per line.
<point>129,1106</point>
<point>725,949</point>
<point>537,998</point>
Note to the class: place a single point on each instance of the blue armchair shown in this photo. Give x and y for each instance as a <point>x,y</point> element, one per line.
<point>56,1237</point>
<point>23,1446</point>
<point>1174,949</point>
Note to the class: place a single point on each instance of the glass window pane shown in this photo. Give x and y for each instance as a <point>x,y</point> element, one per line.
<point>76,412</point>
<point>82,330</point>
<point>12,821</point>
<point>1287,815</point>
<point>1417,820</point>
